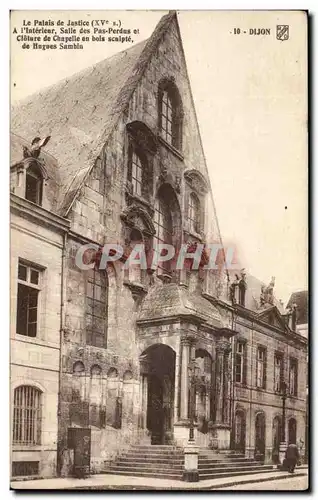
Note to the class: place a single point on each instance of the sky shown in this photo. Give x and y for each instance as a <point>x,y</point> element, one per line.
<point>250,94</point>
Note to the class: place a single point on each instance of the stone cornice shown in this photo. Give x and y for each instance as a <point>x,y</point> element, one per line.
<point>242,312</point>
<point>40,215</point>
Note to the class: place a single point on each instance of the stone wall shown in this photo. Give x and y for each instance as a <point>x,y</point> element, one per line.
<point>35,361</point>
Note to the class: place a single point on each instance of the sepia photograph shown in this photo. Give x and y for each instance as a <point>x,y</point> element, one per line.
<point>159,250</point>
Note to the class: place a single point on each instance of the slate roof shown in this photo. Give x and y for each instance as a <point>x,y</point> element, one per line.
<point>172,300</point>
<point>80,112</point>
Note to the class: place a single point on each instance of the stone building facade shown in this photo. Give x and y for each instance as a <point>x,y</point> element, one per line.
<point>126,166</point>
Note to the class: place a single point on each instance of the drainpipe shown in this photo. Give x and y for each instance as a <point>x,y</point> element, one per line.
<point>63,275</point>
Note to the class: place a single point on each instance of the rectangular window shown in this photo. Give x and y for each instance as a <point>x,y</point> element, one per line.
<point>166,118</point>
<point>96,308</point>
<point>27,416</point>
<point>136,174</point>
<point>27,299</point>
<point>239,362</point>
<point>278,372</point>
<point>261,367</point>
<point>25,469</point>
<point>293,376</point>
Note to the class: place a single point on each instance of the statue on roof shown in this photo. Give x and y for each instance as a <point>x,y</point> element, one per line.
<point>267,295</point>
<point>35,149</point>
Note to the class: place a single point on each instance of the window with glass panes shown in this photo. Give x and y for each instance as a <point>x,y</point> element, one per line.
<point>293,376</point>
<point>239,362</point>
<point>278,372</point>
<point>261,358</point>
<point>136,174</point>
<point>33,186</point>
<point>27,415</point>
<point>166,117</point>
<point>163,226</point>
<point>96,308</point>
<point>194,213</point>
<point>27,299</point>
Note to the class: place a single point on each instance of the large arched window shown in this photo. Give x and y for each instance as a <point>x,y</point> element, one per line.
<point>96,308</point>
<point>194,213</point>
<point>27,415</point>
<point>34,185</point>
<point>170,113</point>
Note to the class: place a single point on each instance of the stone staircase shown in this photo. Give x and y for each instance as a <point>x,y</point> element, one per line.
<point>166,462</point>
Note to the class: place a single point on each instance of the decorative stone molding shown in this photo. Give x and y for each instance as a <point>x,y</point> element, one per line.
<point>138,291</point>
<point>196,181</point>
<point>137,217</point>
<point>143,135</point>
<point>80,351</point>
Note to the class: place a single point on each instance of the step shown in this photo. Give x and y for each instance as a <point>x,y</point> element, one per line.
<point>166,449</point>
<point>225,462</point>
<point>148,456</point>
<point>142,462</point>
<point>232,474</point>
<point>219,470</point>
<point>138,473</point>
<point>227,466</point>
<point>155,452</point>
<point>148,467</point>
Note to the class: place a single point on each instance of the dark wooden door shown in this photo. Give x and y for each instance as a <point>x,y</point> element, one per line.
<point>155,410</point>
<point>80,441</point>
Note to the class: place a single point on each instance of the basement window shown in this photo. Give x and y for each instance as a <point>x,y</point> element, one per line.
<point>25,468</point>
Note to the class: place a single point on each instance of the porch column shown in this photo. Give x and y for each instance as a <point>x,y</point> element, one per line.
<point>184,385</point>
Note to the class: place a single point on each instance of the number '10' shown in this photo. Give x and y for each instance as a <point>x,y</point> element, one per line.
<point>237,31</point>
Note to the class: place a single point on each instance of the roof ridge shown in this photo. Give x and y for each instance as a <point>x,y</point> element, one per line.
<point>125,92</point>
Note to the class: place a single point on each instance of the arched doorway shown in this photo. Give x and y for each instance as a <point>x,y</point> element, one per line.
<point>239,431</point>
<point>292,431</point>
<point>260,433</point>
<point>160,388</point>
<point>277,435</point>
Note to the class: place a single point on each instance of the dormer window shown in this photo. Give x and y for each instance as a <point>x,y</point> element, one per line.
<point>170,113</point>
<point>194,213</point>
<point>33,185</point>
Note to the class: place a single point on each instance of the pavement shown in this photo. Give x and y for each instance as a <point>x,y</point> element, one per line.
<point>289,484</point>
<point>118,482</point>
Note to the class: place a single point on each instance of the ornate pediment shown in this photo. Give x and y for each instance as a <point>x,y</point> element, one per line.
<point>272,316</point>
<point>138,218</point>
<point>196,181</point>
